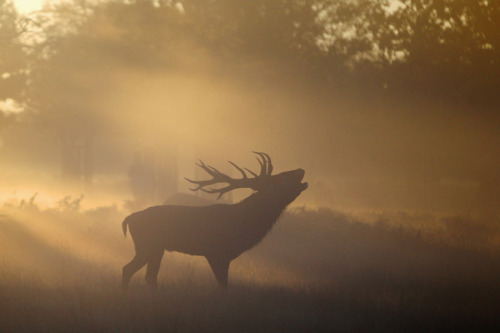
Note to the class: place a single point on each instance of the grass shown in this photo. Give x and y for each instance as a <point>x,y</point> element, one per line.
<point>318,271</point>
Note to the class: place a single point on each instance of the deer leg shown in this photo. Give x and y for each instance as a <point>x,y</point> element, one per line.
<point>220,267</point>
<point>153,269</point>
<point>131,268</point>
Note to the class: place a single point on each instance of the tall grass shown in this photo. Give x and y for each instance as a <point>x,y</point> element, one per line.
<point>318,270</point>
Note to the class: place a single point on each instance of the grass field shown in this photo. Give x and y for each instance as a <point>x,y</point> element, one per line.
<point>318,271</point>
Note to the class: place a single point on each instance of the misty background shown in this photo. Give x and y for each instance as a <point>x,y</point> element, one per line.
<point>387,105</point>
<point>391,107</point>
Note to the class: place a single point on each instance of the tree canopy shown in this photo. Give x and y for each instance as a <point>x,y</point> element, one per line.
<point>448,48</point>
<point>12,55</point>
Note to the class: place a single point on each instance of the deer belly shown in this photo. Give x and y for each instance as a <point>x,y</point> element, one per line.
<point>192,242</point>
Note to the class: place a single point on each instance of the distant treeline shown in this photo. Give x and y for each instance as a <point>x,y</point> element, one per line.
<point>440,48</point>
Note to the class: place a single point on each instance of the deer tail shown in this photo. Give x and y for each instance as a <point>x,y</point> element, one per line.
<point>124,227</point>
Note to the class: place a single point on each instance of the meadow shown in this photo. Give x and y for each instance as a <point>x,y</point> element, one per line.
<point>319,270</point>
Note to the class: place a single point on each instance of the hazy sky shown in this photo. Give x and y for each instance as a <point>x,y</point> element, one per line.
<point>26,6</point>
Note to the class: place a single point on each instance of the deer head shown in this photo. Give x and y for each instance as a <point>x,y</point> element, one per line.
<point>286,185</point>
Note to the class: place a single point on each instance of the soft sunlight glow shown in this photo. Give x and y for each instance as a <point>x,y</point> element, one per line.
<point>394,5</point>
<point>26,6</point>
<point>9,106</point>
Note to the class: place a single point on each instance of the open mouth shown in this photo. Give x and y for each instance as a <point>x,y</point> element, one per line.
<point>303,185</point>
<point>296,179</point>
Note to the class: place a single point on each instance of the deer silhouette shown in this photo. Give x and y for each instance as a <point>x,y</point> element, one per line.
<point>219,232</point>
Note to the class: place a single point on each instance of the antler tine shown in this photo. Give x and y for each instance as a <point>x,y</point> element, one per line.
<point>253,173</point>
<point>218,177</point>
<point>239,169</point>
<point>269,163</point>
<point>199,183</point>
<point>266,165</point>
<point>263,163</point>
<point>209,169</point>
<point>221,191</point>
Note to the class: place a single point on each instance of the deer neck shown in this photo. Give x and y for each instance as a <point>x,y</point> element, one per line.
<point>255,217</point>
<point>263,208</point>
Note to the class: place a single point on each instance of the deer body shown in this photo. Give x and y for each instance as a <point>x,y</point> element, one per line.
<point>219,232</point>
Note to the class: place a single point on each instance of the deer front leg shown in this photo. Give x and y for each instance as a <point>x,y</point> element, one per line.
<point>220,267</point>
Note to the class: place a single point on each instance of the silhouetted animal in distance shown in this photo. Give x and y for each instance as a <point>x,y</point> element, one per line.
<point>219,232</point>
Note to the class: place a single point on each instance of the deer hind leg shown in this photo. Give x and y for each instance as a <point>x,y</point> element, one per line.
<point>153,269</point>
<point>132,267</point>
<point>220,267</point>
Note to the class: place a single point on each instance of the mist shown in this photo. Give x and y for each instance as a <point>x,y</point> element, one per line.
<point>390,107</point>
<point>364,150</point>
<point>176,95</point>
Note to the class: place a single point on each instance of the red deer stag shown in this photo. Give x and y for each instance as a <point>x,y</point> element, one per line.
<point>219,232</point>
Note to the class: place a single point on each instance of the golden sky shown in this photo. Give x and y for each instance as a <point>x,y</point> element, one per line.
<point>26,6</point>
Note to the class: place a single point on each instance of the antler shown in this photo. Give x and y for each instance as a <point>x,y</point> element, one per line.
<point>266,169</point>
<point>266,165</point>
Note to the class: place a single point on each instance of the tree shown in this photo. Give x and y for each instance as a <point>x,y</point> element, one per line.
<point>12,59</point>
<point>78,57</point>
<point>454,40</point>
<point>13,65</point>
<point>442,48</point>
<point>12,55</point>
<point>63,92</point>
<point>448,49</point>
